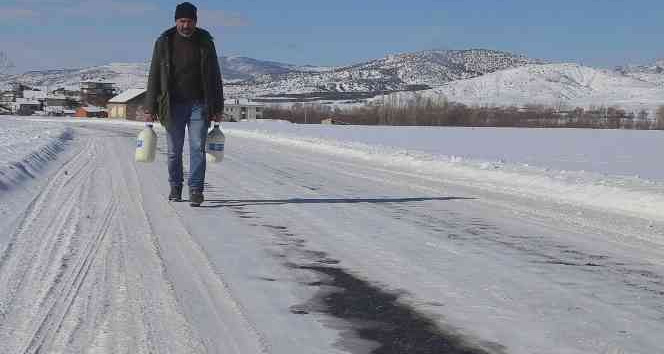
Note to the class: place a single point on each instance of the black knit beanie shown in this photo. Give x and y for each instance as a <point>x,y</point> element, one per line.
<point>185,10</point>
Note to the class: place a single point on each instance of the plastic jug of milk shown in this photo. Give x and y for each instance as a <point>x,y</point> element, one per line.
<point>214,149</point>
<point>146,144</point>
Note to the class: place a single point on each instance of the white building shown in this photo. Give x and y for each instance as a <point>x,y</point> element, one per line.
<point>25,106</point>
<point>242,109</point>
<point>34,94</point>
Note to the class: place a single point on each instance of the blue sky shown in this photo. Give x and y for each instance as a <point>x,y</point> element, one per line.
<point>51,34</point>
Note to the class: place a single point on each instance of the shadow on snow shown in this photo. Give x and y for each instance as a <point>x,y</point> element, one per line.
<point>218,203</point>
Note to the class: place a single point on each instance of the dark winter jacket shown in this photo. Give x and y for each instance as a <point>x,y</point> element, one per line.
<point>160,81</point>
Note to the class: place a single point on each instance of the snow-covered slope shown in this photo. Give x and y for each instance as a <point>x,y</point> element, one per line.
<point>394,72</point>
<point>134,75</point>
<point>125,75</point>
<point>651,73</point>
<point>243,68</point>
<point>567,85</point>
<point>475,77</point>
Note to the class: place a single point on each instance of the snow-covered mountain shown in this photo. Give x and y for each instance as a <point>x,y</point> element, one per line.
<point>475,76</point>
<point>133,75</point>
<point>566,85</point>
<point>243,68</point>
<point>257,77</point>
<point>393,73</point>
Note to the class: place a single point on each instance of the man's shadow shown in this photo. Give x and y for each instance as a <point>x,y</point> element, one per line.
<point>220,203</point>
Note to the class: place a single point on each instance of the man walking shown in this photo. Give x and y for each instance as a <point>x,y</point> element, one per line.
<point>185,90</point>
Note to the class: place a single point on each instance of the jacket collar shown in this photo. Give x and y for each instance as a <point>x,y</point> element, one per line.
<point>203,36</point>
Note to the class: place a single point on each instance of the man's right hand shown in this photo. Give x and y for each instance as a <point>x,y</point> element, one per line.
<point>149,117</point>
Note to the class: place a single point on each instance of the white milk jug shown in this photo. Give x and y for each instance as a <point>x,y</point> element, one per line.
<point>214,149</point>
<point>146,144</point>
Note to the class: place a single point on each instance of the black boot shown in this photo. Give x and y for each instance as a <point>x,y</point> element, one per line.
<point>195,196</point>
<point>176,194</point>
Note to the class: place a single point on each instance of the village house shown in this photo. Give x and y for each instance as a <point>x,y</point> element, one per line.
<point>70,94</point>
<point>7,97</point>
<point>127,105</point>
<point>237,110</point>
<point>25,106</point>
<point>97,93</point>
<point>91,112</point>
<point>54,101</point>
<point>24,100</point>
<point>56,105</point>
<point>6,100</point>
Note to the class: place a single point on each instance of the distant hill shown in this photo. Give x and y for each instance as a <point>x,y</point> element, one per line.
<point>473,76</point>
<point>558,85</point>
<point>393,72</point>
<point>409,71</point>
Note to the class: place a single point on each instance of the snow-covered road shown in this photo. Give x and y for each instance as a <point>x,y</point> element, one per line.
<point>299,251</point>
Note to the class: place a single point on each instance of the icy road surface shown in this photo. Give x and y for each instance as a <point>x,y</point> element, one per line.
<point>299,251</point>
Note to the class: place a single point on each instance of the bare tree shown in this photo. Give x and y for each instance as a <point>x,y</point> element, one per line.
<point>659,124</point>
<point>5,63</point>
<point>425,110</point>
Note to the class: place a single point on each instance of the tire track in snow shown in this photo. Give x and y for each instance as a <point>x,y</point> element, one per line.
<point>82,273</point>
<point>37,222</point>
<point>202,315</point>
<point>61,306</point>
<point>40,201</point>
<point>29,260</point>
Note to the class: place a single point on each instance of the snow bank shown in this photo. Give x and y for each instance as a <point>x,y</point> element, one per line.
<point>27,147</point>
<point>626,195</point>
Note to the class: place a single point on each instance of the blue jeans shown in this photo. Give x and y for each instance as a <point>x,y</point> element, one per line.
<point>192,115</point>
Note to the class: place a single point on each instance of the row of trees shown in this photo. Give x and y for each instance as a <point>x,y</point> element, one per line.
<point>439,112</point>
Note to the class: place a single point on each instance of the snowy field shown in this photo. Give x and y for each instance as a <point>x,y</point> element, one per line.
<point>607,169</point>
<point>614,153</point>
<point>508,240</point>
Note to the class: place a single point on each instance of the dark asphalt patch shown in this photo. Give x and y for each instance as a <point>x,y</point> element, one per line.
<point>377,316</point>
<point>372,313</point>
